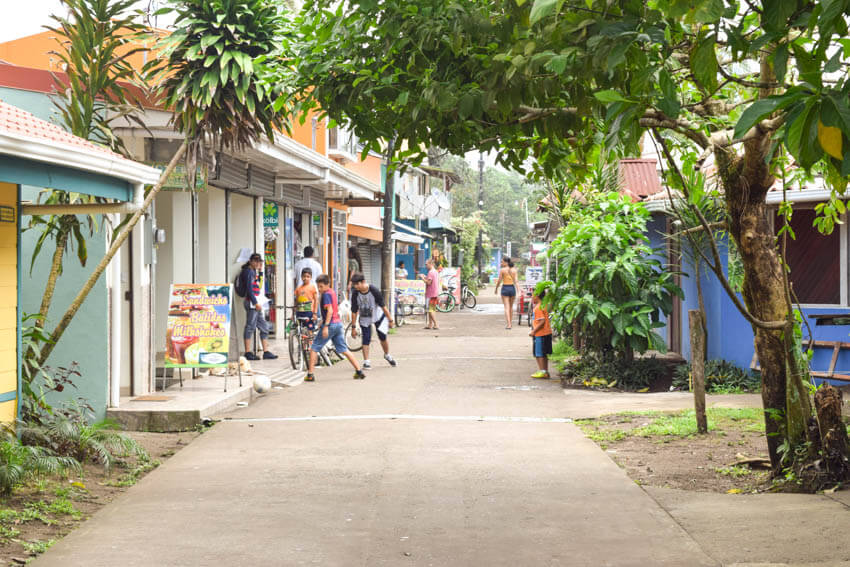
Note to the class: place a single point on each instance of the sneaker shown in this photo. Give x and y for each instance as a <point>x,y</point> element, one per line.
<point>269,356</point>
<point>358,375</point>
<point>540,374</point>
<point>251,356</point>
<point>367,365</point>
<point>391,360</point>
<point>309,378</point>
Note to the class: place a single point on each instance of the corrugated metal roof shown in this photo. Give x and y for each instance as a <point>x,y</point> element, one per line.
<point>639,178</point>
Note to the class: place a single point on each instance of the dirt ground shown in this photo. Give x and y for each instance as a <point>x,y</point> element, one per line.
<point>42,512</point>
<point>690,462</point>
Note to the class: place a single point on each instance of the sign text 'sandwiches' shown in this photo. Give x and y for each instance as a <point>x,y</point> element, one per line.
<point>198,330</point>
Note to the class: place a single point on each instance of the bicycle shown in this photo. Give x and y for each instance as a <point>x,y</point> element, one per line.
<point>467,298</point>
<point>403,307</point>
<point>300,340</point>
<point>446,301</point>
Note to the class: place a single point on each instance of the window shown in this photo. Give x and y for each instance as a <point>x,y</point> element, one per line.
<point>815,260</point>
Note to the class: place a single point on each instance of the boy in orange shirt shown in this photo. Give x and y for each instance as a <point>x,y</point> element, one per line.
<point>306,300</point>
<point>542,333</point>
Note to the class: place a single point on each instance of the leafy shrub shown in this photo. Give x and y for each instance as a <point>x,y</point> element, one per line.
<point>721,377</point>
<point>562,352</point>
<point>609,279</point>
<point>71,433</point>
<point>20,463</point>
<point>633,375</point>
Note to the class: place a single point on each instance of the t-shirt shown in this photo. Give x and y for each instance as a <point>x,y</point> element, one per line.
<point>305,297</point>
<point>329,298</point>
<point>367,304</point>
<point>433,289</point>
<point>400,274</point>
<point>542,314</point>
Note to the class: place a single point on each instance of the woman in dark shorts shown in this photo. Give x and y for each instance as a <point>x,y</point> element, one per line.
<point>508,281</point>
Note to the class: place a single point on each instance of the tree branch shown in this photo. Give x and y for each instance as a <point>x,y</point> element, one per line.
<point>657,120</point>
<point>746,83</point>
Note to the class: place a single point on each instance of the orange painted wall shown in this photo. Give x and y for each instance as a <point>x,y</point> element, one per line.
<point>369,169</point>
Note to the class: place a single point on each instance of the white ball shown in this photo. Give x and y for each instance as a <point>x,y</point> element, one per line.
<point>262,384</point>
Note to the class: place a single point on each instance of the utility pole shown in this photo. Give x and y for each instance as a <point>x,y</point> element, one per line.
<point>479,252</point>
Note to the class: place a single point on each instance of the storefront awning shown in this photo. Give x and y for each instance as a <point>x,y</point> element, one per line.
<point>367,232</point>
<point>407,238</point>
<point>437,224</point>
<point>410,230</point>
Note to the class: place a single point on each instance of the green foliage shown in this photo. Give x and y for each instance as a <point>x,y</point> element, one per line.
<point>609,280</point>
<point>635,375</point>
<point>21,463</point>
<point>468,229</point>
<point>562,353</point>
<point>101,442</point>
<point>721,377</point>
<point>217,72</point>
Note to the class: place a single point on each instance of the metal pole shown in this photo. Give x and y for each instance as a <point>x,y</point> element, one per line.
<point>480,247</point>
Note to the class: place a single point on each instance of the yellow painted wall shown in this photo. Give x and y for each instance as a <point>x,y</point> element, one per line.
<point>8,302</point>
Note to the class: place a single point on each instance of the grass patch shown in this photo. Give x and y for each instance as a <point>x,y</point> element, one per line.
<point>132,476</point>
<point>562,351</point>
<point>37,547</point>
<point>734,472</point>
<point>666,426</point>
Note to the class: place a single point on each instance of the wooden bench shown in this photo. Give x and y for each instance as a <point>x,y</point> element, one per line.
<point>830,374</point>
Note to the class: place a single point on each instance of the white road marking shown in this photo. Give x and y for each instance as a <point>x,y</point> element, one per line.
<point>496,418</point>
<point>439,357</point>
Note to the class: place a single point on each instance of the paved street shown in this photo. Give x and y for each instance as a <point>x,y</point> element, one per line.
<point>416,465</point>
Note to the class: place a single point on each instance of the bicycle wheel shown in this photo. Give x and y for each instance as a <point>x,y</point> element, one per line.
<point>399,315</point>
<point>296,357</point>
<point>445,302</point>
<point>354,343</point>
<point>325,357</point>
<point>469,299</point>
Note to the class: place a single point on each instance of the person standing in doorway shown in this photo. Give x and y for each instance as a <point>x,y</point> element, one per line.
<point>368,308</point>
<point>331,330</point>
<point>251,282</point>
<point>542,336</point>
<point>307,262</point>
<point>508,281</point>
<point>432,290</point>
<point>355,266</point>
<point>401,271</point>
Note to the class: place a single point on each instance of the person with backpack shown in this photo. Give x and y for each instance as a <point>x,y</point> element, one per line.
<point>368,308</point>
<point>248,286</point>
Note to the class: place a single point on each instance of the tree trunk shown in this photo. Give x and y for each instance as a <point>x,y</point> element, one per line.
<point>833,433</point>
<point>387,271</point>
<point>104,262</point>
<point>746,181</point>
<point>53,276</point>
<point>695,321</point>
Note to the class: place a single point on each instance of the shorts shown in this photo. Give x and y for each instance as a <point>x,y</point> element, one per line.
<point>367,333</point>
<point>432,304</point>
<point>335,335</point>
<point>508,290</point>
<point>255,320</point>
<point>542,346</point>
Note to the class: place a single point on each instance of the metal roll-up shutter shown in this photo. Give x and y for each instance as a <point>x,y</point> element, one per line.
<point>291,194</point>
<point>229,173</point>
<point>376,265</point>
<point>366,256</point>
<point>262,182</point>
<point>317,199</point>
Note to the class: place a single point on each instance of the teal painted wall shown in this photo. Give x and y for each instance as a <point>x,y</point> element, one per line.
<point>85,340</point>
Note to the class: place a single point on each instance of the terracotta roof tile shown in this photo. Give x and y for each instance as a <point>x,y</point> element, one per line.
<point>639,178</point>
<point>19,122</point>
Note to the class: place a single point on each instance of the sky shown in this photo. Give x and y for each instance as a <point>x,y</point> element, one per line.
<point>29,17</point>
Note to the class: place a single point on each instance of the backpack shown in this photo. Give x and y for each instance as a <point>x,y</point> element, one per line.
<point>239,284</point>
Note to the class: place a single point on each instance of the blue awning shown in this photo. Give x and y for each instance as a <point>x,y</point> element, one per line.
<point>437,224</point>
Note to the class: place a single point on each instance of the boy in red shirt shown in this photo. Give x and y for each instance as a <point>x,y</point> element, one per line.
<point>542,333</point>
<point>330,330</point>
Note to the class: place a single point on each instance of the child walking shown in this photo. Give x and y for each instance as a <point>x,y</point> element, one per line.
<point>542,333</point>
<point>331,330</point>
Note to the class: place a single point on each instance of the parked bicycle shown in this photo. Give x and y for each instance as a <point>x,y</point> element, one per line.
<point>404,304</point>
<point>467,298</point>
<point>446,301</point>
<point>300,339</point>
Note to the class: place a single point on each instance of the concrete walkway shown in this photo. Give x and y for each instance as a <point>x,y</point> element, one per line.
<point>453,458</point>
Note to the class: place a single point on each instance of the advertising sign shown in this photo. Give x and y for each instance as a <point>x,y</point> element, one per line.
<point>270,214</point>
<point>451,277</point>
<point>178,179</point>
<point>411,292</point>
<point>198,329</point>
<point>533,275</point>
